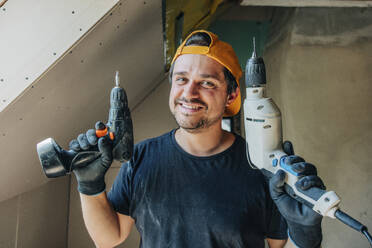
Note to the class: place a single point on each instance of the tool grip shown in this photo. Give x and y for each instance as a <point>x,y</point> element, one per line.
<point>57,162</point>
<point>82,159</point>
<point>321,201</point>
<point>312,193</point>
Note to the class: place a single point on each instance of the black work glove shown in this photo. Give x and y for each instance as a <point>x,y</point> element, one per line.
<point>304,224</point>
<point>91,178</point>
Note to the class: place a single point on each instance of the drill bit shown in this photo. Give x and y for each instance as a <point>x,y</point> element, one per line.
<point>254,54</point>
<point>117,79</point>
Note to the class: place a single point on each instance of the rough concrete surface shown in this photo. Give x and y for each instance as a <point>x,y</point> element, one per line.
<point>331,26</point>
<point>324,92</point>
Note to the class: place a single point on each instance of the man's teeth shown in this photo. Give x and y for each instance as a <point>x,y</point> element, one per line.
<point>190,106</point>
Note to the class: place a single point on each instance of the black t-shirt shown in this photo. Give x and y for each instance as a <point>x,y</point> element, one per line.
<point>179,200</point>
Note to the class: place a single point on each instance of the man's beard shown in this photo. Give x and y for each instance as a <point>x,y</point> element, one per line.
<point>193,126</point>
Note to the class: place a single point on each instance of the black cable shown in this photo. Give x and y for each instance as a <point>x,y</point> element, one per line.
<point>368,236</point>
<point>353,223</point>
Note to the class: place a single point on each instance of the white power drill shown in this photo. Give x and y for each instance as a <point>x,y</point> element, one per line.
<point>264,141</point>
<point>263,133</point>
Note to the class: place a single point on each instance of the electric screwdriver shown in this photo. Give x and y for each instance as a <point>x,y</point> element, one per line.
<point>263,133</point>
<point>57,162</point>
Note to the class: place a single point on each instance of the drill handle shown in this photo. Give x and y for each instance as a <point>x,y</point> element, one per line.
<point>321,201</point>
<point>57,162</point>
<point>81,159</point>
<point>120,125</point>
<point>72,159</point>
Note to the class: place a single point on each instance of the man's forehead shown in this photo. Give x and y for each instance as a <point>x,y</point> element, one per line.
<point>188,63</point>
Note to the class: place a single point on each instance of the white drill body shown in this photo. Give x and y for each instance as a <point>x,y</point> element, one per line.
<point>263,133</point>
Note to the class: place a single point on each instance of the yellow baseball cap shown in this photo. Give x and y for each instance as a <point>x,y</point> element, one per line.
<point>221,52</point>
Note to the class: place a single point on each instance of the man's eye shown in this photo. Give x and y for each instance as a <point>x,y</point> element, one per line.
<point>180,80</point>
<point>207,84</point>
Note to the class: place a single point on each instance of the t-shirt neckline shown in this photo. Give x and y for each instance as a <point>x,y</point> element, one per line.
<point>214,156</point>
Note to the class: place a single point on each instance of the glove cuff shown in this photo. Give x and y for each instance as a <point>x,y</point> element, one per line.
<point>92,189</point>
<point>305,236</point>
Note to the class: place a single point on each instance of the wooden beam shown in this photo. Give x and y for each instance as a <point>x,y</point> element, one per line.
<point>308,3</point>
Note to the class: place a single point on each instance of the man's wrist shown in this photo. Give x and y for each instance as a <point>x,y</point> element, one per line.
<point>305,236</point>
<point>91,188</point>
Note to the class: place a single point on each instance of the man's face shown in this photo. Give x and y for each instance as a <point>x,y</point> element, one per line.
<point>198,96</point>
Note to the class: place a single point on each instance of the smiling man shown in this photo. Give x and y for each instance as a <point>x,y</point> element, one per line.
<point>193,187</point>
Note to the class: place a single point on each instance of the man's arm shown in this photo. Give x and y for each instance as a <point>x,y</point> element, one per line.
<point>277,243</point>
<point>280,243</point>
<point>106,227</point>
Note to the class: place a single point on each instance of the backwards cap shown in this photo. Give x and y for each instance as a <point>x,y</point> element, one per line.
<point>221,52</point>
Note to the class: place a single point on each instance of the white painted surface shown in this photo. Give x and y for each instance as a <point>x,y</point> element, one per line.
<point>307,3</point>
<point>36,34</point>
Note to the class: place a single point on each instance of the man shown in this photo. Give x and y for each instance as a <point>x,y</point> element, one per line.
<point>193,187</point>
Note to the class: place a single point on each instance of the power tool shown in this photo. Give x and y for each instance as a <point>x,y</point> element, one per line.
<point>264,141</point>
<point>57,162</point>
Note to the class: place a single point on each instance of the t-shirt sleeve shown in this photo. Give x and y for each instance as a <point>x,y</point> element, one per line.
<point>277,226</point>
<point>120,193</point>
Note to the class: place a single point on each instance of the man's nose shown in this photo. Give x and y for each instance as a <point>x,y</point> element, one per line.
<point>191,90</point>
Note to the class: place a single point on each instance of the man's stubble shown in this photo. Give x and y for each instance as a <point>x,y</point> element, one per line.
<point>197,126</point>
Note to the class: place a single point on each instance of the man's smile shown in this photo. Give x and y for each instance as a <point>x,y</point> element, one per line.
<point>189,107</point>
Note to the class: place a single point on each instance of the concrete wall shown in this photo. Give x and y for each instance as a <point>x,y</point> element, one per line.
<point>150,119</point>
<point>37,218</point>
<point>319,73</point>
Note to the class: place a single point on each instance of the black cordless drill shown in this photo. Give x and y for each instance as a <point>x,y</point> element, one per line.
<point>57,162</point>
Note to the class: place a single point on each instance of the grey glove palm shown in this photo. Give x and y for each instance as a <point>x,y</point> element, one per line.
<point>91,178</point>
<point>304,224</point>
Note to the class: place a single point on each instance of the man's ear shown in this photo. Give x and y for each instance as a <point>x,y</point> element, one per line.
<point>233,95</point>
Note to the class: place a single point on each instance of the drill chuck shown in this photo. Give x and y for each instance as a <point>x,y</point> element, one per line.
<point>255,72</point>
